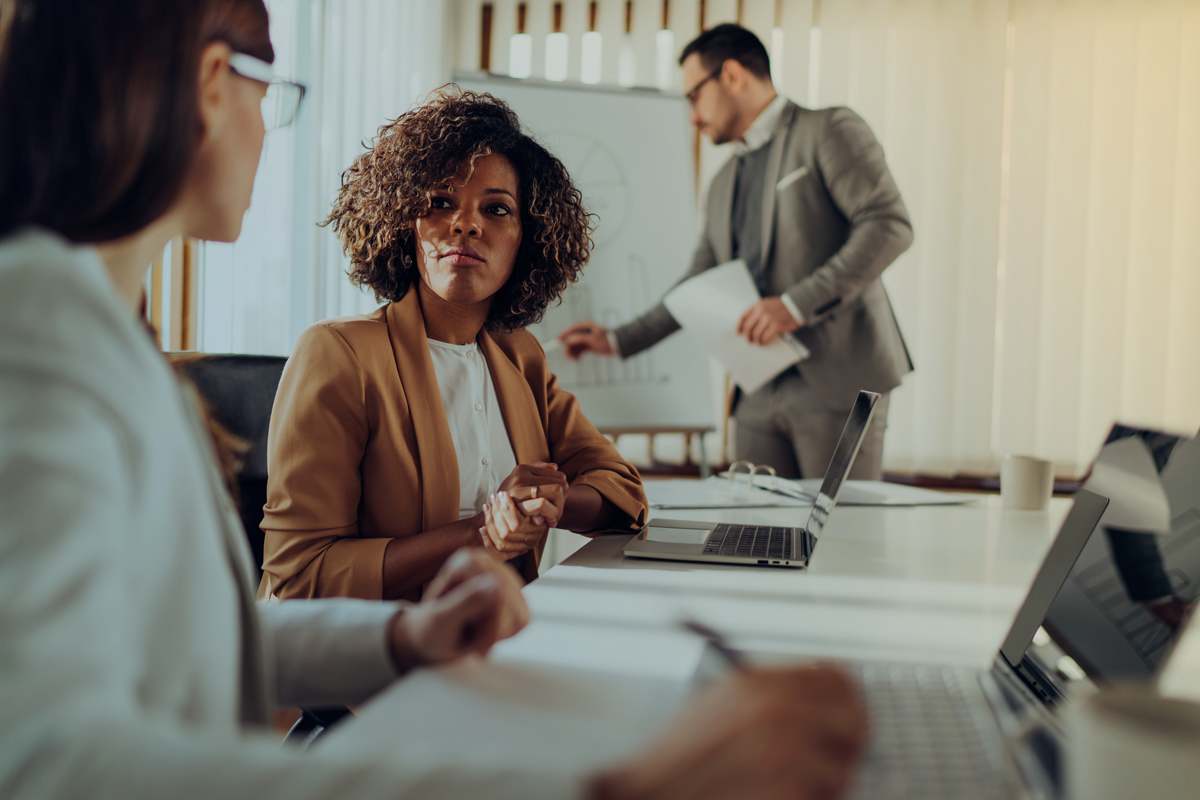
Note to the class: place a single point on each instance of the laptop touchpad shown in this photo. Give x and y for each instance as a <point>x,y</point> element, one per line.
<point>677,535</point>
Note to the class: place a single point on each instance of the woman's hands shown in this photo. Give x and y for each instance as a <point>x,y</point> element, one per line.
<point>529,502</point>
<point>781,733</point>
<point>472,603</point>
<point>539,489</point>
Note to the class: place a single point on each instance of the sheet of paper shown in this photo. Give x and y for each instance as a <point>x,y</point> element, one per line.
<point>508,716</point>
<point>882,493</point>
<point>1125,473</point>
<point>709,306</point>
<point>715,493</point>
<point>854,493</point>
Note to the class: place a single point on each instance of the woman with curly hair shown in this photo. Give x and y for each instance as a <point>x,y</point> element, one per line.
<point>433,423</point>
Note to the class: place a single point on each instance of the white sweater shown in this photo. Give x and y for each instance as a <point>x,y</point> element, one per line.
<point>131,653</point>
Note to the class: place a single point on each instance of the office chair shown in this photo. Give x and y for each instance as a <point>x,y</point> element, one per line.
<point>240,391</point>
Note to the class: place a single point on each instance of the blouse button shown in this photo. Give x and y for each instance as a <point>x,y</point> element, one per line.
<point>479,406</point>
<point>485,461</point>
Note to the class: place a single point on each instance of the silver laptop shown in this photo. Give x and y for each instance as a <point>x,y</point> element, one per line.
<point>950,732</point>
<point>759,545</point>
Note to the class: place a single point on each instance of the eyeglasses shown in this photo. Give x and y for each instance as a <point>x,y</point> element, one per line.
<point>282,101</point>
<point>695,90</point>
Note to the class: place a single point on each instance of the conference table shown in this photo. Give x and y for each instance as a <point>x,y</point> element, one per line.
<point>929,583</point>
<point>605,660</point>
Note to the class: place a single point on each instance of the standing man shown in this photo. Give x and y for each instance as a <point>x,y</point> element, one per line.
<point>809,205</point>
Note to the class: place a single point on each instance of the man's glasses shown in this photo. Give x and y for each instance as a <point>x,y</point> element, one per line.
<point>695,91</point>
<point>282,101</point>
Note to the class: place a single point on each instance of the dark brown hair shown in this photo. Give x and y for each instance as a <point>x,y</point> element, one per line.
<point>388,188</point>
<point>99,114</point>
<point>719,44</point>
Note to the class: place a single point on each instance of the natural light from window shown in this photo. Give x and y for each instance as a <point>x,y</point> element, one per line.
<point>557,48</point>
<point>590,49</point>
<point>520,56</point>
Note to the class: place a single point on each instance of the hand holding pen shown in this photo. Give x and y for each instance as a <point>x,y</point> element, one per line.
<point>794,732</point>
<point>585,337</point>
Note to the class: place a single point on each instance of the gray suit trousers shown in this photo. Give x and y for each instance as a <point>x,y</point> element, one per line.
<point>788,425</point>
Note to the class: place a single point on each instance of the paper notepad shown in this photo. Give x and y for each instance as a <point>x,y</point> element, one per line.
<point>709,306</point>
<point>497,716</point>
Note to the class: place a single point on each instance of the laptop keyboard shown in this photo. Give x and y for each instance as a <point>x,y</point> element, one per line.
<point>750,541</point>
<point>933,736</point>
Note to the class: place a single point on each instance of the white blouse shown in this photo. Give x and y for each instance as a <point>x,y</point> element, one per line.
<point>485,455</point>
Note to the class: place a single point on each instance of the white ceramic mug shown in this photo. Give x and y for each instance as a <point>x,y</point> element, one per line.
<point>1129,743</point>
<point>1026,482</point>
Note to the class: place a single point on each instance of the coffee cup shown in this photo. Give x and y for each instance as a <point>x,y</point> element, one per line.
<point>1026,482</point>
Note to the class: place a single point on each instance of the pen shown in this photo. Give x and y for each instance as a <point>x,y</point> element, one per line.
<point>733,657</point>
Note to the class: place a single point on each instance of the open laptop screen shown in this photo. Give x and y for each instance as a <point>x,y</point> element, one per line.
<point>1124,603</point>
<point>843,458</point>
<point>1074,535</point>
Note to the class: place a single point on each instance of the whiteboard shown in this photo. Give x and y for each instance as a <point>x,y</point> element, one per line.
<point>629,151</point>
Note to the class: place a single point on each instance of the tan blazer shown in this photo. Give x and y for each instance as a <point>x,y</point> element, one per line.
<point>359,450</point>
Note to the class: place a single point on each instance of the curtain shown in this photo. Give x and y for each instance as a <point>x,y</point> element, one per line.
<point>364,62</point>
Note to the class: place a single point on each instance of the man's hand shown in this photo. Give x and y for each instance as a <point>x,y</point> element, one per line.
<point>794,733</point>
<point>472,603</point>
<point>766,321</point>
<point>585,337</point>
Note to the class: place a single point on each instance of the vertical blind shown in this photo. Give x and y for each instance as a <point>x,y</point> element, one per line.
<point>363,62</point>
<point>1045,149</point>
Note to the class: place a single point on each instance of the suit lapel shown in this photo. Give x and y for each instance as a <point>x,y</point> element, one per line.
<point>721,218</point>
<point>774,162</point>
<point>436,462</point>
<point>517,404</point>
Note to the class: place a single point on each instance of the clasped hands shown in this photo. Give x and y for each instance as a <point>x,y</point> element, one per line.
<point>529,502</point>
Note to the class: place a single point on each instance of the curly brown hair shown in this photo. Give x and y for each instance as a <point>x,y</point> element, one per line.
<point>389,187</point>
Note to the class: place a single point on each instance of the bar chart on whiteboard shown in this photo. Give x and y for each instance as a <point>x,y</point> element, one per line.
<point>629,153</point>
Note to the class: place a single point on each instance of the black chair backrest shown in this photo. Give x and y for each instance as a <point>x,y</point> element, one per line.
<point>240,391</point>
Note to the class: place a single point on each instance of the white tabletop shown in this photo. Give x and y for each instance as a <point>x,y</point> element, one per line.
<point>938,584</point>
<point>928,583</point>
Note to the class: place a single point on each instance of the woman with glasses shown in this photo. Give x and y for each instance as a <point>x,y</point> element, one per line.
<point>133,660</point>
<point>434,423</point>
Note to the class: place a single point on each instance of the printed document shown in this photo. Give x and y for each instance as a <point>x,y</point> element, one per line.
<point>709,306</point>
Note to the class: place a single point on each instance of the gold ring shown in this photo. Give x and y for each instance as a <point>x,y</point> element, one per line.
<point>533,494</point>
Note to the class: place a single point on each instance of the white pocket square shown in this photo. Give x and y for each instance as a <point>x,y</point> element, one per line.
<point>790,178</point>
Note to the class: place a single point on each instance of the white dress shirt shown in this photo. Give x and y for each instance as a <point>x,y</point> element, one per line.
<point>485,454</point>
<point>124,581</point>
<point>762,130</point>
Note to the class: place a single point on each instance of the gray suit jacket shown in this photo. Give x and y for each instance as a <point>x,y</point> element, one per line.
<point>833,220</point>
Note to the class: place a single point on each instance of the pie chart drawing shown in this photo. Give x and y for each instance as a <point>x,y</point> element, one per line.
<point>598,175</point>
